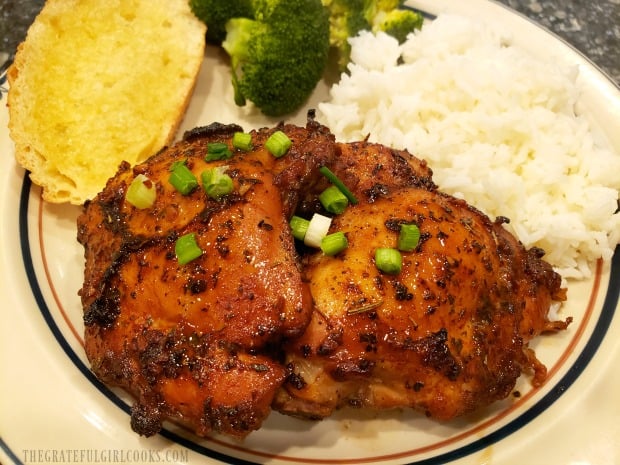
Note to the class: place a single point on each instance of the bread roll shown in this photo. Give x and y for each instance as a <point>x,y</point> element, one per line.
<point>97,82</point>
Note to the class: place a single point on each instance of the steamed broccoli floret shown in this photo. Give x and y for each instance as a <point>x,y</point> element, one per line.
<point>373,7</point>
<point>397,23</point>
<point>346,19</point>
<point>390,17</point>
<point>349,17</point>
<point>279,55</point>
<point>215,13</point>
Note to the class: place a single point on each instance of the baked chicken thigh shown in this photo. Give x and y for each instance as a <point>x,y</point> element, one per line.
<point>256,321</point>
<point>195,342</point>
<point>447,334</point>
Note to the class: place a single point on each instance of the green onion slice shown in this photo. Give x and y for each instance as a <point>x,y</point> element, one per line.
<point>186,248</point>
<point>299,226</point>
<point>242,141</point>
<point>325,171</point>
<point>141,193</point>
<point>334,243</point>
<point>317,230</point>
<point>388,260</point>
<point>333,200</point>
<point>278,144</point>
<point>409,237</point>
<point>218,151</point>
<point>216,182</point>
<point>182,178</point>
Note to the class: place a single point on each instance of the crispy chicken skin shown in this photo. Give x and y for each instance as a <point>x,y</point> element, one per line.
<point>259,322</point>
<point>194,343</point>
<point>448,334</point>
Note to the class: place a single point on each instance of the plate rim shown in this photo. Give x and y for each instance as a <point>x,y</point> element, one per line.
<point>595,339</point>
<point>600,328</point>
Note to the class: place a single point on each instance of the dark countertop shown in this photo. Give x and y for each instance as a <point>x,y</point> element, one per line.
<point>592,27</point>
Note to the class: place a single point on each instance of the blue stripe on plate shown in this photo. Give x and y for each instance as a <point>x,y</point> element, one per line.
<point>7,450</point>
<point>600,330</point>
<point>590,349</point>
<point>45,311</point>
<point>609,307</point>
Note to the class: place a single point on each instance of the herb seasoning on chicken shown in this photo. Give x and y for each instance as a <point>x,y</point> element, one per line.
<point>198,300</point>
<point>193,341</point>
<point>445,335</point>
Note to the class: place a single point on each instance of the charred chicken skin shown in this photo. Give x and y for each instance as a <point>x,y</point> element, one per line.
<point>194,342</point>
<point>448,334</point>
<point>258,322</point>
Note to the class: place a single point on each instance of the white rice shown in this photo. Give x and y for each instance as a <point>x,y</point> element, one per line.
<point>498,128</point>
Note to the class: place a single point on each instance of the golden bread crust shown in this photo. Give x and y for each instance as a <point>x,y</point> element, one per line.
<point>97,83</point>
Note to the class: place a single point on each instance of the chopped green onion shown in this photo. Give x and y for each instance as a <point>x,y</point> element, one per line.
<point>408,237</point>
<point>334,243</point>
<point>242,141</point>
<point>325,171</point>
<point>278,144</point>
<point>317,230</point>
<point>333,200</point>
<point>218,151</point>
<point>216,182</point>
<point>299,226</point>
<point>141,193</point>
<point>388,260</point>
<point>182,178</point>
<point>186,248</point>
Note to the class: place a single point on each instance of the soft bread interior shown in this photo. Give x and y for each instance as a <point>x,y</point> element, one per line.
<point>98,82</point>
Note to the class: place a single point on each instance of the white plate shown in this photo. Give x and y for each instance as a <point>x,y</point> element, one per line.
<point>52,410</point>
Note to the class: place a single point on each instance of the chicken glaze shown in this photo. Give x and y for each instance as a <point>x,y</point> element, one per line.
<point>195,342</point>
<point>258,322</point>
<point>447,335</point>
